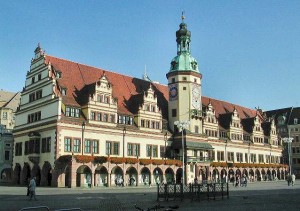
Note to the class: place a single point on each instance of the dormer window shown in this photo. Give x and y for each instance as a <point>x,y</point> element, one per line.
<point>106,99</point>
<point>153,108</point>
<point>281,120</point>
<point>64,91</point>
<point>295,121</point>
<point>58,74</point>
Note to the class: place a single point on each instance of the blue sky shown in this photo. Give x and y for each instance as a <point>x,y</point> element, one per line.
<point>248,51</point>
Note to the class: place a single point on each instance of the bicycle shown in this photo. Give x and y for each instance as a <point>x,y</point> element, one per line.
<point>157,207</point>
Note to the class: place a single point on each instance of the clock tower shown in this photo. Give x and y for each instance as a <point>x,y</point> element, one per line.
<point>184,83</point>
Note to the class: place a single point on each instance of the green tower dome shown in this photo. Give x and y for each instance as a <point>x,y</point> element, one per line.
<point>184,60</point>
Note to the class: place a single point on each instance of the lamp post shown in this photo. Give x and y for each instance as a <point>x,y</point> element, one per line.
<point>124,133</point>
<point>289,141</point>
<point>249,152</point>
<point>166,138</point>
<point>182,125</point>
<point>270,153</point>
<point>225,156</point>
<point>82,133</point>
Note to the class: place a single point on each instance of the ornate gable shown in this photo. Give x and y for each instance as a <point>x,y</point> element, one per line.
<point>149,115</point>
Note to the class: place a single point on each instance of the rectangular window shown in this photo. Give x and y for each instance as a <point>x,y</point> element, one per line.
<point>34,117</point>
<point>112,118</point>
<point>174,112</point>
<point>18,150</point>
<point>93,116</point>
<point>239,157</point>
<point>72,114</point>
<point>220,155</point>
<point>155,151</point>
<point>260,158</point>
<point>87,146</point>
<point>142,123</point>
<point>162,151</point>
<point>148,150</point>
<point>6,156</point>
<point>32,97</point>
<point>112,148</point>
<point>76,145</point>
<point>99,117</point>
<point>196,129</point>
<point>108,148</point>
<point>67,144</point>
<point>68,111</point>
<point>105,117</point>
<point>133,149</point>
<point>116,148</point>
<point>26,148</point>
<point>39,94</point>
<point>77,112</point>
<point>95,147</point>
<point>157,125</point>
<point>46,144</point>
<point>230,156</point>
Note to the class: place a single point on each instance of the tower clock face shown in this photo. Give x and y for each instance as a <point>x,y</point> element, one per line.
<point>173,92</point>
<point>196,96</point>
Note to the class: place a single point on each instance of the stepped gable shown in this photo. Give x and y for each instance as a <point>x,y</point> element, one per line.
<point>80,79</point>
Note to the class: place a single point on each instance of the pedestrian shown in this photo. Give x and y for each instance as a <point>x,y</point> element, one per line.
<point>32,187</point>
<point>293,179</point>
<point>196,180</point>
<point>289,179</point>
<point>245,181</point>
<point>121,182</point>
<point>237,181</point>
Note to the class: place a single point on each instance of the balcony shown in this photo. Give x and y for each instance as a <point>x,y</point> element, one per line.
<point>193,159</point>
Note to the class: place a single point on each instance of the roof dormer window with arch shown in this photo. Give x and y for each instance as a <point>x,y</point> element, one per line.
<point>295,121</point>
<point>281,120</point>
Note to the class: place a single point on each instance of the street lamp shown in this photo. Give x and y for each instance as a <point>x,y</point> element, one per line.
<point>225,156</point>
<point>124,133</point>
<point>289,143</point>
<point>182,125</point>
<point>82,132</point>
<point>166,138</point>
<point>249,152</point>
<point>270,153</point>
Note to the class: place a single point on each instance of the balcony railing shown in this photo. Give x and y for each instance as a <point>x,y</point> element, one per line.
<point>196,159</point>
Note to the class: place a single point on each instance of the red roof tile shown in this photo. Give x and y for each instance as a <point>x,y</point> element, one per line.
<point>76,77</point>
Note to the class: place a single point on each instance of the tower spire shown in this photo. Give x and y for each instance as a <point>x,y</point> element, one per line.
<point>182,16</point>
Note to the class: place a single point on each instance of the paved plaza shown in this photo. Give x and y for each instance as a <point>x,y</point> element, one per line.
<point>257,196</point>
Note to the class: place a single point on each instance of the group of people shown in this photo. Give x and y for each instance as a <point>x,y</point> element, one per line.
<point>240,180</point>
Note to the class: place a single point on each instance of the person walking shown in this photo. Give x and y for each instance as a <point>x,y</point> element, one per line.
<point>32,187</point>
<point>293,179</point>
<point>289,179</point>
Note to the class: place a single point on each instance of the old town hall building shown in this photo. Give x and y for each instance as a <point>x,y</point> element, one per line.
<point>79,126</point>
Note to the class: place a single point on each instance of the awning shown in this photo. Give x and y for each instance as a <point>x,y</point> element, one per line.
<point>192,145</point>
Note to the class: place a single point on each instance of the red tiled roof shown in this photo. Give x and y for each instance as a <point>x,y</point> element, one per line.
<point>76,77</point>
